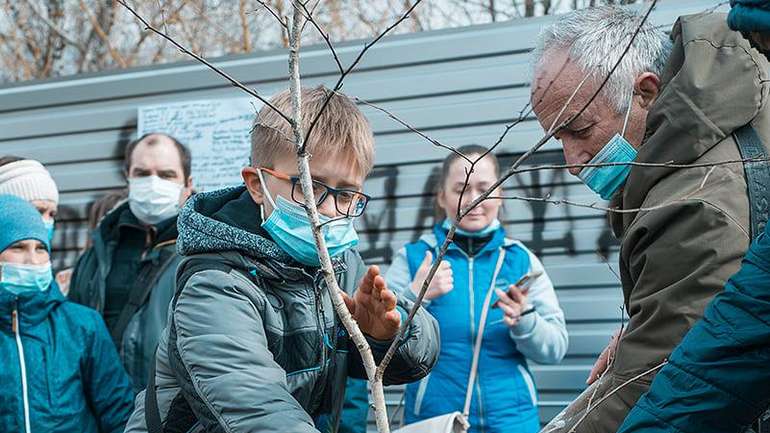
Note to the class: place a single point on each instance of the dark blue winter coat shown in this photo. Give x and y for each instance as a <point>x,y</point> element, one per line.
<point>62,354</point>
<point>718,379</point>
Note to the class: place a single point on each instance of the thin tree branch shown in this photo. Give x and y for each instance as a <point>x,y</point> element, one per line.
<point>309,17</point>
<point>413,129</point>
<point>306,183</point>
<point>219,71</point>
<point>341,79</point>
<point>615,390</point>
<point>97,28</point>
<point>277,17</point>
<point>54,28</point>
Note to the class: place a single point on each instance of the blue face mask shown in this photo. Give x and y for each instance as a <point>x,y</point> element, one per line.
<point>17,278</point>
<point>290,228</point>
<point>491,228</point>
<point>605,181</point>
<point>49,225</point>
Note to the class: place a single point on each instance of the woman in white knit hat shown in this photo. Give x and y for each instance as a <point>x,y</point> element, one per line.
<point>28,179</point>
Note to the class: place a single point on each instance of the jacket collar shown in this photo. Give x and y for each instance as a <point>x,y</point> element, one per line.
<point>439,236</point>
<point>32,307</point>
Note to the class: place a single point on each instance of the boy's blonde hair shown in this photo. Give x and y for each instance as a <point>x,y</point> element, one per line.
<point>342,131</point>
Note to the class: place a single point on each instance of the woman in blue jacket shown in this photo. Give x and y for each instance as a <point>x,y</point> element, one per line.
<point>504,397</point>
<point>60,370</point>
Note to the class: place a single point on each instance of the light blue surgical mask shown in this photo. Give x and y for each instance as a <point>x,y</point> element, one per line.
<point>49,226</point>
<point>606,180</point>
<point>290,228</point>
<point>491,228</point>
<point>20,278</point>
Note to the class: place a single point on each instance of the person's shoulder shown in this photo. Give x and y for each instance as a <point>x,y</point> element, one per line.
<point>84,319</point>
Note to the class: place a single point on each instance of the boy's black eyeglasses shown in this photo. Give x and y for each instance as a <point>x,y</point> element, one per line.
<point>347,201</point>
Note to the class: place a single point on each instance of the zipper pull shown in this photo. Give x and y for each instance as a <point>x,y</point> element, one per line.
<point>15,321</point>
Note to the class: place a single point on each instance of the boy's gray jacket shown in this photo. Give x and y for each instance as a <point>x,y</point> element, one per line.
<point>255,343</point>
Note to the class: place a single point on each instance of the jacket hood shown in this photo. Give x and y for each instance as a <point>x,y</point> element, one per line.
<point>713,84</point>
<point>32,307</point>
<point>225,220</point>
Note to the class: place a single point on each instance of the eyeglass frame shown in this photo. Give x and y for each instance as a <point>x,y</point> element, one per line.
<point>319,200</point>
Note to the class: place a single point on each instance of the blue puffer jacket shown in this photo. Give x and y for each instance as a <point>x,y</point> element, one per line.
<point>504,398</point>
<point>718,378</point>
<point>73,377</point>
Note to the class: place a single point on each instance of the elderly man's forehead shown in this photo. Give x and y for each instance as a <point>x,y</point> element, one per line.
<point>556,72</point>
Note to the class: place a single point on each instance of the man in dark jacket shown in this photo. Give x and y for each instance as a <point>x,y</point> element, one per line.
<point>718,380</point>
<point>699,98</point>
<point>128,273</point>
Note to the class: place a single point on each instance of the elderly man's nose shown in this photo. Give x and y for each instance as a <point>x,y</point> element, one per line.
<point>572,157</point>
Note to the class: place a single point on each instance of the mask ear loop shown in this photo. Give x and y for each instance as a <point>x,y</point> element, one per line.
<point>628,114</point>
<point>267,194</point>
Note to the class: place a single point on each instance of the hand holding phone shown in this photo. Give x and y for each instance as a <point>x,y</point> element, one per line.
<point>514,301</point>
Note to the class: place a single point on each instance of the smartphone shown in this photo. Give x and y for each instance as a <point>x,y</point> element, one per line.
<point>524,283</point>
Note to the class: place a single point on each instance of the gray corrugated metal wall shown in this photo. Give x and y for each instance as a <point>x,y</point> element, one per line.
<point>460,86</point>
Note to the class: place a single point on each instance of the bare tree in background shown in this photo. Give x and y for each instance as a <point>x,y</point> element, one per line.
<point>50,38</point>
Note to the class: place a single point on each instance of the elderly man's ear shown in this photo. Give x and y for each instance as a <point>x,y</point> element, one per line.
<point>647,85</point>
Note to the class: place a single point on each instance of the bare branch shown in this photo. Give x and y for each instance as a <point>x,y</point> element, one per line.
<point>358,58</point>
<point>615,390</point>
<point>306,183</point>
<point>219,71</point>
<point>413,129</point>
<point>54,28</point>
<point>670,164</point>
<point>309,17</point>
<point>99,30</point>
<point>275,14</point>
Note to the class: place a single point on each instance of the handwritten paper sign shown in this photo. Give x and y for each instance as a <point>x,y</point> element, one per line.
<point>215,130</point>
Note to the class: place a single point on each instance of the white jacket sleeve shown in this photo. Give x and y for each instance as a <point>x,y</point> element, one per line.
<point>541,336</point>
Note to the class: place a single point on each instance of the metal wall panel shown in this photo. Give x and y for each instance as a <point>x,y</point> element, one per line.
<point>461,86</point>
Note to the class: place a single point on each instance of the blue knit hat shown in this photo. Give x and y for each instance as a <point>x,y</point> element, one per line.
<point>19,221</point>
<point>749,15</point>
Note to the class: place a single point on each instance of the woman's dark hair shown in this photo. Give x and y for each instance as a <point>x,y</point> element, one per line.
<point>471,151</point>
<point>4,160</point>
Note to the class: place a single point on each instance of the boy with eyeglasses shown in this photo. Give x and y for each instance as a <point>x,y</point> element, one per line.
<point>253,343</point>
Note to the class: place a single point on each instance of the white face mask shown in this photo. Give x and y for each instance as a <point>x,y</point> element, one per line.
<point>153,199</point>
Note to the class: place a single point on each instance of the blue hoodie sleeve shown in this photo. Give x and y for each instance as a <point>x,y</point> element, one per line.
<point>107,385</point>
<point>717,379</point>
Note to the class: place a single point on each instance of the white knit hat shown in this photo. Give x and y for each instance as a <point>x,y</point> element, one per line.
<point>29,180</point>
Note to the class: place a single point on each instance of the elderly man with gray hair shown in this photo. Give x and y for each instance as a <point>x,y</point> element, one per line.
<point>696,98</point>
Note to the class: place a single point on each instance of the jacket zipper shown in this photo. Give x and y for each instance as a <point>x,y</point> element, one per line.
<point>22,366</point>
<point>471,292</point>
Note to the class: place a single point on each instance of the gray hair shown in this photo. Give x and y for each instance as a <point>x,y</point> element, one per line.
<point>595,39</point>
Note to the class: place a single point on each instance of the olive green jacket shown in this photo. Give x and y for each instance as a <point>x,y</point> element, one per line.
<point>692,227</point>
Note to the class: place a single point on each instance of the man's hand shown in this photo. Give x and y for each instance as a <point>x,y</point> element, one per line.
<point>442,282</point>
<point>605,359</point>
<point>512,303</point>
<point>373,306</point>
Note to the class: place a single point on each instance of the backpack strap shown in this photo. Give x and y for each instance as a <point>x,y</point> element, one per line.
<point>187,270</point>
<point>757,176</point>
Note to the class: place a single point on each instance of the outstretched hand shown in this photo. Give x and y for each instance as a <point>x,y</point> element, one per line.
<point>373,306</point>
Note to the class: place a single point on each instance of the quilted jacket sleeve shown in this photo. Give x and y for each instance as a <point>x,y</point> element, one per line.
<point>717,380</point>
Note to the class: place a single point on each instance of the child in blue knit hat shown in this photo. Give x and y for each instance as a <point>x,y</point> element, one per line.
<point>61,372</point>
